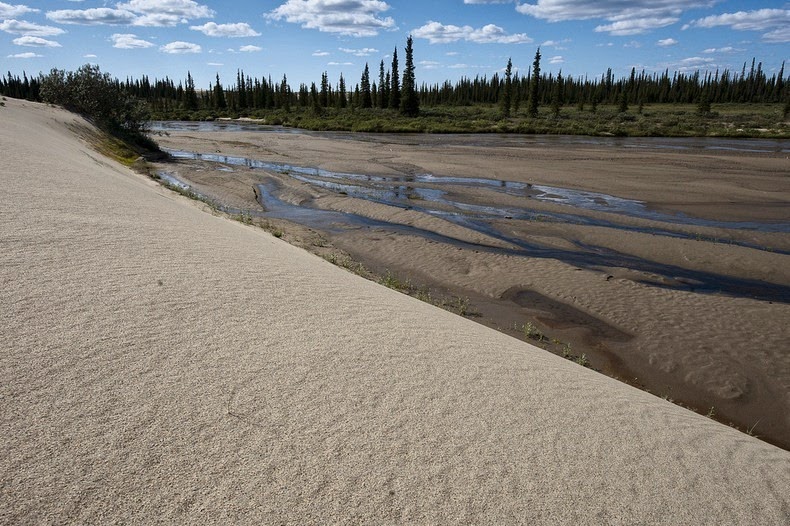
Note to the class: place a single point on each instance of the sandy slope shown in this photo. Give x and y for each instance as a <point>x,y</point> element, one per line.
<point>158,363</point>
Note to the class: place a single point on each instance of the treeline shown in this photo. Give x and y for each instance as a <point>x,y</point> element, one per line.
<point>387,88</point>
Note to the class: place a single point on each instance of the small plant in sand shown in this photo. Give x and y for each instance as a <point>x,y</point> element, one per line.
<point>566,351</point>
<point>750,430</point>
<point>711,412</point>
<point>531,332</point>
<point>424,294</point>
<point>582,360</point>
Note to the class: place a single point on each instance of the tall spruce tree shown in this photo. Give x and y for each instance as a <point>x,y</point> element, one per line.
<point>395,82</point>
<point>190,95</point>
<point>381,101</point>
<point>532,103</point>
<point>341,92</point>
<point>507,89</point>
<point>219,96</point>
<point>364,86</point>
<point>410,102</point>
<point>324,96</point>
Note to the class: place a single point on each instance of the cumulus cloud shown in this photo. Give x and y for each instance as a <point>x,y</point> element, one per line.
<point>241,29</point>
<point>340,64</point>
<point>356,18</point>
<point>666,42</point>
<point>89,55</point>
<point>774,22</point>
<point>153,13</point>
<point>29,54</point>
<point>438,33</point>
<point>557,60</point>
<point>180,48</point>
<point>181,9</point>
<point>630,17</point>
<point>319,53</point>
<point>22,27</point>
<point>250,49</point>
<point>10,11</point>
<point>129,41</point>
<point>91,17</point>
<point>31,41</point>
<point>364,52</point>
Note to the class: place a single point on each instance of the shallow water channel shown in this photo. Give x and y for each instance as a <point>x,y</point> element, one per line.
<point>436,196</point>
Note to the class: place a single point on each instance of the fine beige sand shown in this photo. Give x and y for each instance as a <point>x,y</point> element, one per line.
<point>724,355</point>
<point>160,364</point>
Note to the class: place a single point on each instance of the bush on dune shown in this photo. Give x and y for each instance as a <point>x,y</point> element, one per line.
<point>101,99</point>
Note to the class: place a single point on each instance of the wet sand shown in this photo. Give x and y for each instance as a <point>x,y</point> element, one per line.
<point>695,314</point>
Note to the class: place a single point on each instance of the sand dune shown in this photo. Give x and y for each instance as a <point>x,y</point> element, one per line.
<point>162,364</point>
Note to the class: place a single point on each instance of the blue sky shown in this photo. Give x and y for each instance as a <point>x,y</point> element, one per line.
<point>452,38</point>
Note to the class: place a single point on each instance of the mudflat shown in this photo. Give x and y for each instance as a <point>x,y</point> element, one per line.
<point>663,261</point>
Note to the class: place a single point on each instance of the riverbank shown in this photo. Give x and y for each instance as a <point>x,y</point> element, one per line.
<point>162,364</point>
<point>682,295</point>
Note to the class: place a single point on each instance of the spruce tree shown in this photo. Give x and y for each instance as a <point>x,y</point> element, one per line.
<point>532,104</point>
<point>381,101</point>
<point>395,82</point>
<point>364,87</point>
<point>341,92</point>
<point>190,94</point>
<point>410,103</point>
<point>219,96</point>
<point>324,98</point>
<point>507,89</point>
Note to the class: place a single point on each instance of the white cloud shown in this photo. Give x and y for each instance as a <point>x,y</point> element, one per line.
<point>356,18</point>
<point>774,22</point>
<point>89,55</point>
<point>29,54</point>
<point>31,41</point>
<point>557,60</point>
<point>217,64</point>
<point>626,17</point>
<point>22,27</point>
<point>557,44</point>
<point>438,33</point>
<point>726,49</point>
<point>153,13</point>
<point>241,29</point>
<point>429,64</point>
<point>90,17</point>
<point>10,11</point>
<point>778,36</point>
<point>666,42</point>
<point>340,64</point>
<point>636,26</point>
<point>364,52</point>
<point>250,49</point>
<point>180,48</point>
<point>182,9</point>
<point>319,53</point>
<point>129,41</point>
